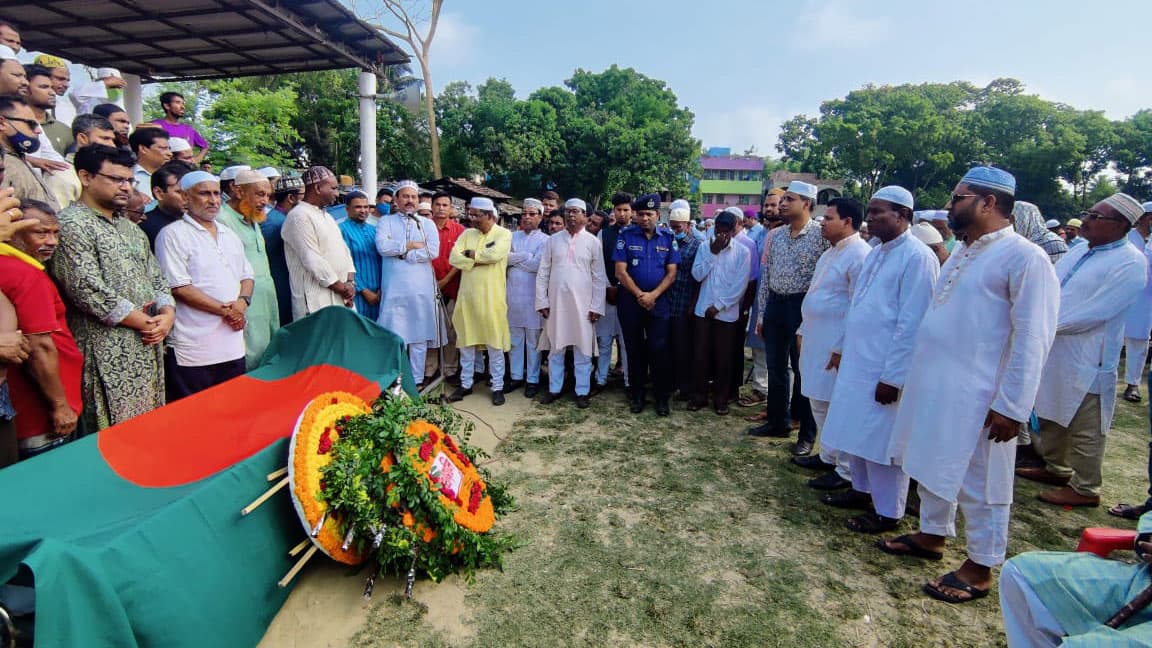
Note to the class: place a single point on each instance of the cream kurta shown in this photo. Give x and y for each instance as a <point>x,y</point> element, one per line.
<point>981,346</point>
<point>523,264</point>
<point>481,314</point>
<point>824,310</point>
<point>571,282</point>
<point>888,302</point>
<point>407,281</point>
<point>317,258</point>
<point>1094,299</point>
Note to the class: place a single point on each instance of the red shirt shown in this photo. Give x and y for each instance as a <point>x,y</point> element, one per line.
<point>448,235</point>
<point>39,309</point>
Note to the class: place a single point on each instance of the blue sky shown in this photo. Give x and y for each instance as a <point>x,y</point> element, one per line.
<point>743,67</point>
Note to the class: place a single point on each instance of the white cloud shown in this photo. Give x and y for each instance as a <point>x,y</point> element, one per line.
<point>742,128</point>
<point>836,25</point>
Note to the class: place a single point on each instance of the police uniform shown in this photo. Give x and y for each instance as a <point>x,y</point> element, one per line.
<point>646,332</point>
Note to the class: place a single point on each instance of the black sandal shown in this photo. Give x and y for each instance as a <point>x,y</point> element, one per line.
<point>872,523</point>
<point>849,499</point>
<point>913,550</point>
<point>951,581</point>
<point>1129,511</point>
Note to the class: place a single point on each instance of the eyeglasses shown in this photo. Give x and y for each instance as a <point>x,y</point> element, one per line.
<point>958,197</point>
<point>30,123</point>
<point>117,179</point>
<point>1091,215</point>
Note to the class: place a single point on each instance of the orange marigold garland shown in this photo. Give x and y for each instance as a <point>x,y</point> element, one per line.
<point>403,486</point>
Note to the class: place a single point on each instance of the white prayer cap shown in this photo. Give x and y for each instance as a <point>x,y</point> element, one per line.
<point>248,176</point>
<point>424,207</point>
<point>1148,207</point>
<point>6,53</point>
<point>483,204</point>
<point>196,177</point>
<point>576,203</point>
<point>737,212</point>
<point>104,73</point>
<point>1126,206</point>
<point>230,173</point>
<point>801,189</point>
<point>927,234</point>
<point>895,195</point>
<point>1050,223</point>
<point>179,144</point>
<point>407,184</point>
<point>680,203</point>
<point>680,215</point>
<point>937,215</point>
<point>270,172</point>
<point>532,203</point>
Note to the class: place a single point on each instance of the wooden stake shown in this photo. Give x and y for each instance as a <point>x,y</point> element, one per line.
<point>273,476</point>
<point>283,582</point>
<point>300,547</point>
<point>264,498</point>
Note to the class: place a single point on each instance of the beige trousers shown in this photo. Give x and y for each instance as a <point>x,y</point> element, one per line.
<point>1076,451</point>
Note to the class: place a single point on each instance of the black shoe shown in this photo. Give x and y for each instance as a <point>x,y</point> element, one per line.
<point>459,394</point>
<point>583,402</point>
<point>829,482</point>
<point>497,398</point>
<point>453,379</point>
<point>531,389</point>
<point>767,430</point>
<point>662,408</point>
<point>512,385</point>
<point>813,462</point>
<point>548,398</point>
<point>849,499</point>
<point>597,389</point>
<point>636,405</point>
<point>802,449</point>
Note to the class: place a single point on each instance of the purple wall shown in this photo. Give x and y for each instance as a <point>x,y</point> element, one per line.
<point>736,164</point>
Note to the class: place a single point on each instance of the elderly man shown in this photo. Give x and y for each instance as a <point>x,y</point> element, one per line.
<point>792,253</point>
<point>481,315</point>
<point>682,300</point>
<point>320,268</point>
<point>722,268</point>
<point>1138,320</point>
<point>959,412</point>
<point>45,389</point>
<point>822,334</point>
<point>209,274</point>
<point>119,307</point>
<point>889,300</point>
<point>1098,282</point>
<point>524,322</point>
<point>645,261</point>
<point>181,150</point>
<point>360,237</point>
<point>228,178</point>
<point>570,289</point>
<point>448,284</point>
<point>287,193</point>
<point>409,243</point>
<point>244,215</point>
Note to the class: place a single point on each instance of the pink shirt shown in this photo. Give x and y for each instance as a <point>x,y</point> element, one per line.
<point>183,130</point>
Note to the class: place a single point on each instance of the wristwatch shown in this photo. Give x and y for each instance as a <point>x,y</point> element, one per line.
<point>247,299</point>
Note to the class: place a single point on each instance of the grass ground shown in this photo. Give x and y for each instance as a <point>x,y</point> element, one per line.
<point>683,531</point>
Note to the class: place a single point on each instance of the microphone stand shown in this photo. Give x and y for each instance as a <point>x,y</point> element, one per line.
<point>440,315</point>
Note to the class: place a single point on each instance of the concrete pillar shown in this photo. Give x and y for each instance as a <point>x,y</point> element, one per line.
<point>134,98</point>
<point>368,133</point>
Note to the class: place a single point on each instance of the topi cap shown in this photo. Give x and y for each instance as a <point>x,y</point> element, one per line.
<point>1148,207</point>
<point>230,172</point>
<point>1126,205</point>
<point>532,203</point>
<point>424,206</point>
<point>1075,222</point>
<point>679,215</point>
<point>196,177</point>
<point>927,234</point>
<point>680,203</point>
<point>317,174</point>
<point>407,184</point>
<point>1050,223</point>
<point>178,144</point>
<point>802,189</point>
<point>990,178</point>
<point>286,184</point>
<point>483,204</point>
<point>576,203</point>
<point>269,172</point>
<point>248,176</point>
<point>895,195</point>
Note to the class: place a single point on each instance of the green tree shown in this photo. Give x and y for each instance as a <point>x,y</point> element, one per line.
<point>252,126</point>
<point>1132,154</point>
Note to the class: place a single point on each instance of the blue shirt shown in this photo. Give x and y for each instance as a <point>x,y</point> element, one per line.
<point>648,260</point>
<point>277,264</point>
<point>361,241</point>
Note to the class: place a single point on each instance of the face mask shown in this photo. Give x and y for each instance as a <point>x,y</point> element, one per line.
<point>681,235</point>
<point>23,143</point>
<point>384,208</point>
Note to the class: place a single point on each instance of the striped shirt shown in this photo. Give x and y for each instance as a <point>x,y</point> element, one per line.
<point>683,289</point>
<point>361,241</point>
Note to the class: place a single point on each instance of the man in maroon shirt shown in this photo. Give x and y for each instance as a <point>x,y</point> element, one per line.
<point>448,281</point>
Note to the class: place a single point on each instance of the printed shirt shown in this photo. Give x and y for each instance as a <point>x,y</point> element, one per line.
<point>791,260</point>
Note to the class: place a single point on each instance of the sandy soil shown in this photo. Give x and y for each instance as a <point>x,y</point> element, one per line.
<point>326,609</point>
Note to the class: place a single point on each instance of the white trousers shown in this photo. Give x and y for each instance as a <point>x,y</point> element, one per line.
<point>760,373</point>
<point>888,485</point>
<point>985,524</point>
<point>417,354</point>
<point>524,353</point>
<point>604,360</point>
<point>582,365</point>
<point>1135,355</point>
<point>820,413</point>
<point>1027,621</point>
<point>468,357</point>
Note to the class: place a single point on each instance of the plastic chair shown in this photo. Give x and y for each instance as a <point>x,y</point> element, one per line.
<point>1103,541</point>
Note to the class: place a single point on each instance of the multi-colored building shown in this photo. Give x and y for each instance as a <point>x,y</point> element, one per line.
<point>728,180</point>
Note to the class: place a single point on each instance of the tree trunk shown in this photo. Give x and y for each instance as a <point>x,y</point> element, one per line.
<point>430,111</point>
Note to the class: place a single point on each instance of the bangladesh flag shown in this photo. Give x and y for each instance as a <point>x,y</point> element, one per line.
<point>133,536</point>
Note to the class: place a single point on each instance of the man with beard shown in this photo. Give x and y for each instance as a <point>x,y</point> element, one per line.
<point>244,214</point>
<point>174,110</point>
<point>320,269</point>
<point>209,274</point>
<point>46,387</point>
<point>119,307</point>
<point>959,413</point>
<point>409,243</point>
<point>288,192</point>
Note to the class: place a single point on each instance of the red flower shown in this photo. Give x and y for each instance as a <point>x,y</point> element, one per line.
<point>325,441</point>
<point>425,451</point>
<point>474,497</point>
<point>451,444</point>
<point>447,491</point>
<point>463,459</point>
<point>433,437</point>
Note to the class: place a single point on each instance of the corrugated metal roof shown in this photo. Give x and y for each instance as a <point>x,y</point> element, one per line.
<point>203,39</point>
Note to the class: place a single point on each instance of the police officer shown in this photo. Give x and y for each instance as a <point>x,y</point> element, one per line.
<point>646,259</point>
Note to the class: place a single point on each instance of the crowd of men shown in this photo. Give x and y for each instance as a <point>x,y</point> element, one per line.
<point>916,346</point>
